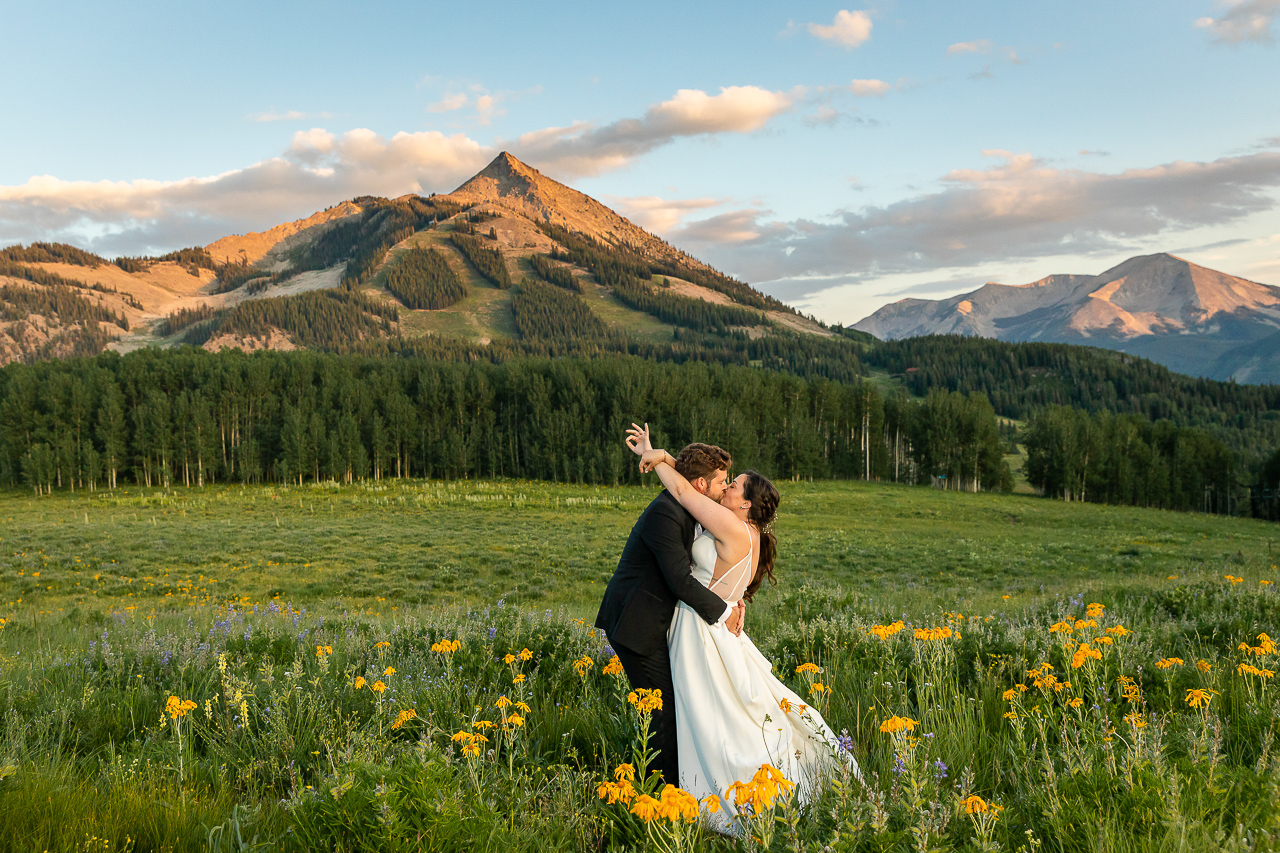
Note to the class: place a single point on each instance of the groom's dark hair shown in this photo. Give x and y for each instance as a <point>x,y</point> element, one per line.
<point>702,460</point>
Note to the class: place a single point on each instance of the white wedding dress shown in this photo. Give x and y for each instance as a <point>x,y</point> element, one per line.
<point>729,717</point>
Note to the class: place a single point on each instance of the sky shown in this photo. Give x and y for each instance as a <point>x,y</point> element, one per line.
<point>839,158</point>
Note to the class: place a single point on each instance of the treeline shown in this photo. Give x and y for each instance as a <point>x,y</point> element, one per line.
<point>51,253</point>
<point>683,310</point>
<point>361,242</point>
<point>159,417</point>
<point>194,258</point>
<point>1127,459</point>
<point>612,261</point>
<point>54,301</point>
<point>321,319</point>
<point>547,312</point>
<point>629,275</point>
<point>176,321</point>
<point>1023,378</point>
<point>422,278</point>
<point>488,262</point>
<point>558,274</point>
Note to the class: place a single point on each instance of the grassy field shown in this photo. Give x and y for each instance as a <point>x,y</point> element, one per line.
<point>1010,673</point>
<point>402,543</point>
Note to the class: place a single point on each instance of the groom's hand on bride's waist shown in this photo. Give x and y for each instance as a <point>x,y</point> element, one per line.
<point>736,619</point>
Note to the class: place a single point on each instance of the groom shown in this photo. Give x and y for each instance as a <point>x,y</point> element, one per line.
<point>652,575</point>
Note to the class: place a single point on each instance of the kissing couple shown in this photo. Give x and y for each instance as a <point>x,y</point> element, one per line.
<point>673,612</point>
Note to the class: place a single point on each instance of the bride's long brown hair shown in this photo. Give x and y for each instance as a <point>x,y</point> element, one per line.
<point>764,499</point>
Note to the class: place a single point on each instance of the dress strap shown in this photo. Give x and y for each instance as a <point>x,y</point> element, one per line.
<point>745,561</point>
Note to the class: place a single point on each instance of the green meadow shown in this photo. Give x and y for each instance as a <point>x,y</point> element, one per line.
<point>398,544</point>
<point>285,668</point>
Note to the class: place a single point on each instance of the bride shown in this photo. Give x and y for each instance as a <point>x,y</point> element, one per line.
<point>732,714</point>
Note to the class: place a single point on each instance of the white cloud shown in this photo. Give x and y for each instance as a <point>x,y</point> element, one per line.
<point>320,168</point>
<point>449,103</point>
<point>979,46</point>
<point>870,88</point>
<point>1242,20</point>
<point>849,29</point>
<point>586,149</point>
<point>1019,208</point>
<point>733,227</point>
<point>656,214</point>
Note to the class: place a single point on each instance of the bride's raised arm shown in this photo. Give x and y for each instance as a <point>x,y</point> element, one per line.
<point>719,521</point>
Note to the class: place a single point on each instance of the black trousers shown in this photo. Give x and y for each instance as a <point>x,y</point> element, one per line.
<point>653,672</point>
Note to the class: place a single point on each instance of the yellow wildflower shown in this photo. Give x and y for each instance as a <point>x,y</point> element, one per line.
<point>624,773</point>
<point>583,665</point>
<point>1165,663</point>
<point>360,682</point>
<point>389,671</point>
<point>884,632</point>
<point>525,654</point>
<point>382,644</point>
<point>1076,702</point>
<point>509,659</point>
<point>471,750</point>
<point>1094,610</point>
<point>898,724</point>
<point>378,687</point>
<point>1119,631</point>
<point>1199,698</point>
<point>712,802</point>
<point>1203,665</point>
<point>482,724</point>
<point>1063,627</point>
<point>522,707</point>
<point>677,804</point>
<point>1009,694</point>
<point>807,667</point>
<point>463,737</point>
<point>646,701</point>
<point>974,804</point>
<point>403,717</point>
<point>176,707</point>
<point>943,633</point>
<point>614,667</point>
<point>818,687</point>
<point>519,678</point>
<point>1136,719</point>
<point>645,807</point>
<point>502,702</point>
<point>785,704</point>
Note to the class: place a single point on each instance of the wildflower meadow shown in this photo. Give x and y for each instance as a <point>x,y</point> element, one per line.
<point>186,670</point>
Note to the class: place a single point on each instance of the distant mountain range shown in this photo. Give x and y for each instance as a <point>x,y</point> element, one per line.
<point>1189,318</point>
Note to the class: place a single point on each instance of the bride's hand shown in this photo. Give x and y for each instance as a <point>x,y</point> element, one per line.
<point>651,459</point>
<point>638,439</point>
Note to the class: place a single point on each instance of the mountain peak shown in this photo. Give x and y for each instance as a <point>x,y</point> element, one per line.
<point>509,185</point>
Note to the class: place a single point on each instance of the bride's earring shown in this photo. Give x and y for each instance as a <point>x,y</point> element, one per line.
<point>744,506</point>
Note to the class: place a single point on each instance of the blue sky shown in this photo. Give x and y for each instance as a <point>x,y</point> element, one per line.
<point>840,157</point>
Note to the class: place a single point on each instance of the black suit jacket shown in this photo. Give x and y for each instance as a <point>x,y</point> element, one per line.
<point>652,575</point>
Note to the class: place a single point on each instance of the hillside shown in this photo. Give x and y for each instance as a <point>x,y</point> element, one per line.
<point>1190,318</point>
<point>334,280</point>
